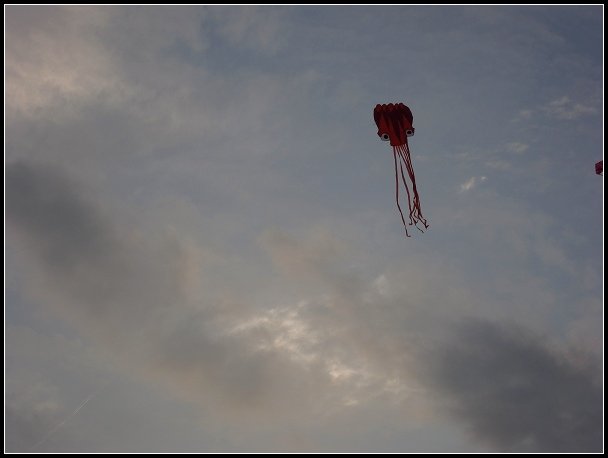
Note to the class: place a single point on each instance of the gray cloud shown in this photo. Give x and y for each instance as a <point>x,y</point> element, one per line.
<point>60,222</point>
<point>127,290</point>
<point>507,387</point>
<point>111,277</point>
<point>351,345</point>
<point>122,288</point>
<point>27,422</point>
<point>192,131</point>
<point>513,392</point>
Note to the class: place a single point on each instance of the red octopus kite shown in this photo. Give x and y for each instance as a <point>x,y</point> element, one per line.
<point>599,167</point>
<point>394,123</point>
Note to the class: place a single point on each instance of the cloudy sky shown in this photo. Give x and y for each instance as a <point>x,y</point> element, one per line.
<point>203,251</point>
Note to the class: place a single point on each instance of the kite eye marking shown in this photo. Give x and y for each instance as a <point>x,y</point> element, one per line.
<point>409,132</point>
<point>384,137</point>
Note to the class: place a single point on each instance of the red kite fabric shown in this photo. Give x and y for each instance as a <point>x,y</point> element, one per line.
<point>394,123</point>
<point>599,167</point>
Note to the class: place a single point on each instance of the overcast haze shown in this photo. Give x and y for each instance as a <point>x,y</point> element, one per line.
<point>203,251</point>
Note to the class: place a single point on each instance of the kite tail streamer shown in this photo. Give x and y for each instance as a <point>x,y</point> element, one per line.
<point>397,192</point>
<point>415,214</point>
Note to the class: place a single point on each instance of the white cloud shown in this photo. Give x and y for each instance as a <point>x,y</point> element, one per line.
<point>471,183</point>
<point>565,108</point>
<point>517,147</point>
<point>382,285</point>
<point>48,57</point>
<point>560,108</point>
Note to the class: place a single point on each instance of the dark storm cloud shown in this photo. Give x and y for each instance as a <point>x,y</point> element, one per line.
<point>45,204</point>
<point>107,274</point>
<point>513,392</point>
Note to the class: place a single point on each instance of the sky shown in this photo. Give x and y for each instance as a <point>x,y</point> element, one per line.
<point>203,251</point>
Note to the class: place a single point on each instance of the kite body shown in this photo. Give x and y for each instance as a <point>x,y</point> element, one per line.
<point>599,167</point>
<point>394,123</point>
